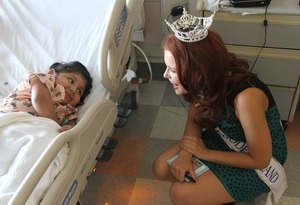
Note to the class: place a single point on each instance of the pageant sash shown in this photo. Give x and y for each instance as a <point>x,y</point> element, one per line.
<point>273,175</point>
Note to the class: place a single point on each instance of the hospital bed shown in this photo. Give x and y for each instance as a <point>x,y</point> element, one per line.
<point>47,167</point>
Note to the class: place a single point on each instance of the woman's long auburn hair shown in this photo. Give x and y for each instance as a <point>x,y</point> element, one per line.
<point>208,72</point>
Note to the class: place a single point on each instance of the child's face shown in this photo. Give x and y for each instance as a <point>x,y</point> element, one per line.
<point>74,84</point>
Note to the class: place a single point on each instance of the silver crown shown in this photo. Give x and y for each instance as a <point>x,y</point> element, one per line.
<point>189,28</point>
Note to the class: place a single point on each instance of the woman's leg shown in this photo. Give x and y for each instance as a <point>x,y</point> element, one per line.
<point>160,167</point>
<point>208,190</point>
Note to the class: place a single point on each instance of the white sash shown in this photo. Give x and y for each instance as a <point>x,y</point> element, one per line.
<point>273,175</point>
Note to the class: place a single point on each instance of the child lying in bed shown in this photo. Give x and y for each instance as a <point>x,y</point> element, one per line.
<point>55,94</point>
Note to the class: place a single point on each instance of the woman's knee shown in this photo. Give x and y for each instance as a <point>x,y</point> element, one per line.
<point>158,169</point>
<point>177,194</point>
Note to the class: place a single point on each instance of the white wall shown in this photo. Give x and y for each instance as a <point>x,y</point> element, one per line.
<point>153,32</point>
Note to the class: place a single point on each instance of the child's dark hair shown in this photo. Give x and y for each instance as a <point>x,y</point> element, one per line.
<point>77,67</point>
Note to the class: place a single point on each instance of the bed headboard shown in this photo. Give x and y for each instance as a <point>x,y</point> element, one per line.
<point>36,34</point>
<point>119,48</point>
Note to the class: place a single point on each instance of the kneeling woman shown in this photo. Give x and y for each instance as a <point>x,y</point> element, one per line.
<point>233,124</point>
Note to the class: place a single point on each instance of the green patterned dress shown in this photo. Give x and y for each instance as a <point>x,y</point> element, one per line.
<point>245,184</point>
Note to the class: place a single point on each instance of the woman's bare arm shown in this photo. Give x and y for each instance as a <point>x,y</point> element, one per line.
<point>250,106</point>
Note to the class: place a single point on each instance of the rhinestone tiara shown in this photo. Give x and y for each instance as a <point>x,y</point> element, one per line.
<point>189,28</point>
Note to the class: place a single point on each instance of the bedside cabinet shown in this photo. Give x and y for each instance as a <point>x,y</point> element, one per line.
<point>278,62</point>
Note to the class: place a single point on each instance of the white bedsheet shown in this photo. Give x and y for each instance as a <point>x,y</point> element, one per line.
<point>35,34</point>
<point>23,138</point>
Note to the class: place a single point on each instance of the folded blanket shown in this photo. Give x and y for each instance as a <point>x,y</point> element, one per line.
<point>23,138</point>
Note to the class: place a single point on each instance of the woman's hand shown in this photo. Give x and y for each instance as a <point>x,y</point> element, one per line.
<point>194,145</point>
<point>181,165</point>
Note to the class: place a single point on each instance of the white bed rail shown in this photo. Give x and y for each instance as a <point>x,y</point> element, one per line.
<point>98,120</point>
<point>70,178</point>
<point>122,28</point>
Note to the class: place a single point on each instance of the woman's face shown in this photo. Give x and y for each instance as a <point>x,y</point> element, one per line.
<point>171,73</point>
<point>74,84</point>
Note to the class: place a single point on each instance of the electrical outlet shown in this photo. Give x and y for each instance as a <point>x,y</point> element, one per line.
<point>166,7</point>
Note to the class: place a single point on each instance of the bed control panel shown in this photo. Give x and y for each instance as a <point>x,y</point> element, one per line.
<point>70,193</point>
<point>121,26</point>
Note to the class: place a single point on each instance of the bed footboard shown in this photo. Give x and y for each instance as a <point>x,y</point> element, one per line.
<point>84,147</point>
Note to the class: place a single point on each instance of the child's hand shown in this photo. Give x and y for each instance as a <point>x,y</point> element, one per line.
<point>65,128</point>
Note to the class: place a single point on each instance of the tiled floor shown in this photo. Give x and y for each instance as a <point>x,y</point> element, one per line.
<point>127,178</point>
